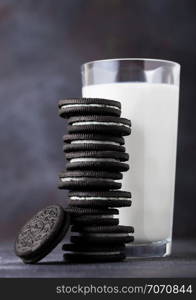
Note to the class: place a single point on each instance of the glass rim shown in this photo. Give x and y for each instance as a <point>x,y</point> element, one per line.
<point>174,63</point>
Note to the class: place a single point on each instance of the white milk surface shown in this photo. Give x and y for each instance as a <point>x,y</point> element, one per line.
<point>153,110</point>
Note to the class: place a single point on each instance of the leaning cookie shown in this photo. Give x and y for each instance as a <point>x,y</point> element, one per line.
<point>100,124</point>
<point>42,233</point>
<point>100,198</point>
<point>89,180</point>
<point>89,106</point>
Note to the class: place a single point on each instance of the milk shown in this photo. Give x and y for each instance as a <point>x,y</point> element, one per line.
<point>153,110</point>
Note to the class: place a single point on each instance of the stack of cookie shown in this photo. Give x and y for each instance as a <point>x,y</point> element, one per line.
<point>95,153</point>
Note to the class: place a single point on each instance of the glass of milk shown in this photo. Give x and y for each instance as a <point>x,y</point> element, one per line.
<point>148,90</point>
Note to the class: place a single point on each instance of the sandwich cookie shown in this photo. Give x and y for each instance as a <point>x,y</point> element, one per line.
<point>79,211</point>
<point>77,156</point>
<point>93,138</point>
<point>103,229</point>
<point>92,147</point>
<point>85,257</point>
<point>100,199</point>
<point>90,180</point>
<point>104,219</point>
<point>106,236</point>
<point>93,247</point>
<point>100,124</point>
<point>98,164</point>
<point>39,236</point>
<point>92,142</point>
<point>88,106</point>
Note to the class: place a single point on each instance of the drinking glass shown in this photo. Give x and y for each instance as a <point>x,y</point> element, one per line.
<point>148,90</point>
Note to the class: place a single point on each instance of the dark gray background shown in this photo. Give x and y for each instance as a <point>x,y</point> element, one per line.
<point>42,45</point>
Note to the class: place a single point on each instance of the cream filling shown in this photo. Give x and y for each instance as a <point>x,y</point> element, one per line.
<point>94,142</point>
<point>99,123</point>
<point>92,159</point>
<point>98,198</point>
<point>67,179</point>
<point>91,105</point>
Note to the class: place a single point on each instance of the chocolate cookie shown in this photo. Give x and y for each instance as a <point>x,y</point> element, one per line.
<point>89,180</point>
<point>89,106</point>
<point>42,233</point>
<point>99,124</point>
<point>100,198</point>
